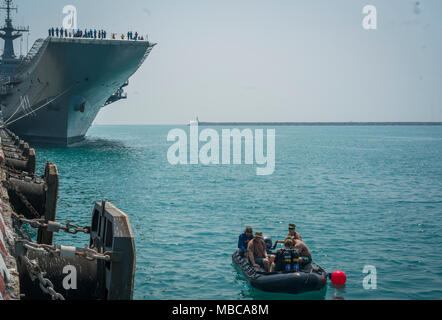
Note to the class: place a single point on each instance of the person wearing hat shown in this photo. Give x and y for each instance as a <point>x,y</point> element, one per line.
<point>292,235</point>
<point>292,232</point>
<point>244,239</point>
<point>257,253</point>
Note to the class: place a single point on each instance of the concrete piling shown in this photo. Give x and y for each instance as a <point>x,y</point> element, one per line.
<point>36,270</point>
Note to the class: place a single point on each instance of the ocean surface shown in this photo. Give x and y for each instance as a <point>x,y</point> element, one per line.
<point>358,195</point>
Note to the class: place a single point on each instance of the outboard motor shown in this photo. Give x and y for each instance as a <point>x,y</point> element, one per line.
<point>268,243</point>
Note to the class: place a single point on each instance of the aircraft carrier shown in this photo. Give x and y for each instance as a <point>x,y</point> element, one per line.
<point>53,94</point>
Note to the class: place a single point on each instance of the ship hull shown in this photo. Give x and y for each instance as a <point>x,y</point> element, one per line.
<point>68,83</point>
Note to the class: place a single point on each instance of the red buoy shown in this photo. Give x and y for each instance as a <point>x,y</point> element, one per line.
<point>338,278</point>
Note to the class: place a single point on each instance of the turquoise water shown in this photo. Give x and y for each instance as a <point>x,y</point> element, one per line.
<point>359,196</point>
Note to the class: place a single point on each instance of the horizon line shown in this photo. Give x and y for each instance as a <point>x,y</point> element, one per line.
<point>283,123</point>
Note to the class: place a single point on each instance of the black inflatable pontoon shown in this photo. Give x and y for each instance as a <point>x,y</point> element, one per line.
<point>311,279</point>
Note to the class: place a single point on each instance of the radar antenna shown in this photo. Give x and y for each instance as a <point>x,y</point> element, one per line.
<point>10,33</point>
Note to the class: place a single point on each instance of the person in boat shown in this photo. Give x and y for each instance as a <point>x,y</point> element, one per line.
<point>305,257</point>
<point>243,240</point>
<point>292,234</point>
<point>287,258</point>
<point>256,251</point>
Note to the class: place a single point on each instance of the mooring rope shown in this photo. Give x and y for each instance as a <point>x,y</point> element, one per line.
<point>7,123</point>
<point>16,110</point>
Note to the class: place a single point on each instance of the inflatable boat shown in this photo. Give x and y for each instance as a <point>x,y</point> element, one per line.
<point>310,278</point>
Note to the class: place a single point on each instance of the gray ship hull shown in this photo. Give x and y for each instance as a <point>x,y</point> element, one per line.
<point>67,82</point>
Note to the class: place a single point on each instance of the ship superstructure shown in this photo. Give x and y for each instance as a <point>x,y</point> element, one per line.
<point>9,61</point>
<point>54,93</point>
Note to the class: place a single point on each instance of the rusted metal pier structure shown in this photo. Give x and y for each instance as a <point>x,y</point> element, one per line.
<point>38,269</point>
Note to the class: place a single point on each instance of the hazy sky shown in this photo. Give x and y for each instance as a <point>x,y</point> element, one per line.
<point>268,60</point>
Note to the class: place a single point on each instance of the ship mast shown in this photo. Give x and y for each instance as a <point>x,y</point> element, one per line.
<point>10,33</point>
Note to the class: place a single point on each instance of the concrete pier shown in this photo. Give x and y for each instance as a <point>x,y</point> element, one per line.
<point>35,269</point>
<point>9,277</point>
